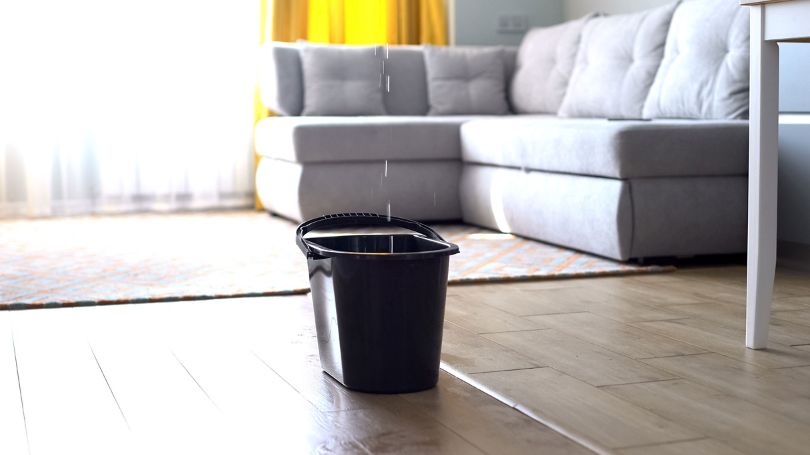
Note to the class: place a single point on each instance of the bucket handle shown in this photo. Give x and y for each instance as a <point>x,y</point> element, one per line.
<point>357,220</point>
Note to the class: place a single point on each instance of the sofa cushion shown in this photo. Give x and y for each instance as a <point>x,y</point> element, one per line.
<point>336,139</point>
<point>465,81</point>
<point>618,149</point>
<point>419,190</point>
<point>707,213</point>
<point>587,213</point>
<point>282,89</point>
<point>616,63</point>
<point>342,80</point>
<point>704,73</point>
<point>543,66</point>
<point>279,75</point>
<point>405,68</point>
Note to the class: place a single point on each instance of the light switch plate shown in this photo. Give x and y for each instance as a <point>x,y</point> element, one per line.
<point>512,23</point>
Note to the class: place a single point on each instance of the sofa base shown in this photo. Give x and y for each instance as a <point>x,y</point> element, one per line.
<point>420,190</point>
<point>619,219</point>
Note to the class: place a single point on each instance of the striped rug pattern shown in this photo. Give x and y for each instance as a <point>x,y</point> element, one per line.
<point>165,257</point>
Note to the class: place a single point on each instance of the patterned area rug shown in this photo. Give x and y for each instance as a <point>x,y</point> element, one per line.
<point>156,257</point>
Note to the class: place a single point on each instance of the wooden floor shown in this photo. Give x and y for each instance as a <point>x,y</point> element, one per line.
<point>638,364</point>
<point>222,377</point>
<point>642,364</point>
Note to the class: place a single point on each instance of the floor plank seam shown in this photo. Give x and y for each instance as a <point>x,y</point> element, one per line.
<point>650,320</point>
<point>672,338</point>
<point>283,379</point>
<point>731,393</point>
<point>450,429</point>
<point>512,331</point>
<point>550,314</point>
<point>616,352</point>
<point>510,369</point>
<point>658,444</point>
<point>638,382</point>
<point>675,355</point>
<point>19,389</point>
<point>109,387</point>
<point>788,367</point>
<point>585,442</point>
<point>199,386</point>
<point>744,360</point>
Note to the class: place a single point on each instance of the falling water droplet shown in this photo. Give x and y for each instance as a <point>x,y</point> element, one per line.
<point>386,168</point>
<point>380,82</point>
<point>389,211</point>
<point>391,243</point>
<point>388,84</point>
<point>434,199</point>
<point>386,50</point>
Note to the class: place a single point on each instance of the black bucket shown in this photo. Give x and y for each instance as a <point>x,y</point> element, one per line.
<point>379,301</point>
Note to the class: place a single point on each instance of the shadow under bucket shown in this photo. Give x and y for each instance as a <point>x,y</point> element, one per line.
<point>378,300</point>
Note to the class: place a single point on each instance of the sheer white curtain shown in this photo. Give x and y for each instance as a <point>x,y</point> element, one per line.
<point>112,105</point>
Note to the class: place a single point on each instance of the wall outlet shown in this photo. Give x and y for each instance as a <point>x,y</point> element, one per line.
<point>512,23</point>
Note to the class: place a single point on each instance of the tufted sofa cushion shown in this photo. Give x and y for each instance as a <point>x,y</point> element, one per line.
<point>543,67</point>
<point>465,81</point>
<point>342,80</point>
<point>704,73</point>
<point>616,63</point>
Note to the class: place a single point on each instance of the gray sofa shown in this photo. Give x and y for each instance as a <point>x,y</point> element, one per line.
<point>626,135</point>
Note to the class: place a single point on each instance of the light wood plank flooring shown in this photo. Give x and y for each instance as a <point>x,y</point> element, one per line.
<point>235,376</point>
<point>642,364</point>
<point>630,365</point>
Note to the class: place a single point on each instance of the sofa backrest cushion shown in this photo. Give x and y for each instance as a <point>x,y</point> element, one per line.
<point>407,89</point>
<point>342,80</point>
<point>464,81</point>
<point>543,66</point>
<point>279,75</point>
<point>704,73</point>
<point>281,84</point>
<point>616,63</point>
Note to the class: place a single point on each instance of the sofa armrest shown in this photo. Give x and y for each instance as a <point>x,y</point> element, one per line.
<point>280,81</point>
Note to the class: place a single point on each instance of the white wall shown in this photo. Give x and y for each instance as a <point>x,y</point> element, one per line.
<point>573,9</point>
<point>794,145</point>
<point>475,22</point>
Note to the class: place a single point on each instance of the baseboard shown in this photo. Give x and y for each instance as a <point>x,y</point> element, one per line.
<point>793,255</point>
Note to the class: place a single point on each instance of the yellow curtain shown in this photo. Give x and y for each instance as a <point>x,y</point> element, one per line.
<point>377,21</point>
<point>350,22</point>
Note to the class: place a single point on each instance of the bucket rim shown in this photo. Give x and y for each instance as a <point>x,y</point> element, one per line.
<point>342,220</point>
<point>447,249</point>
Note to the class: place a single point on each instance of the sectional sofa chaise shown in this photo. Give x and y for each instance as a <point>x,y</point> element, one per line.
<point>624,136</point>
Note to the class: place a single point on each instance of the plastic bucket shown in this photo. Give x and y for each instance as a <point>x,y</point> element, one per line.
<point>378,300</point>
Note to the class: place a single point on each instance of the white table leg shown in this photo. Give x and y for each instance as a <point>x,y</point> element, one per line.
<point>762,179</point>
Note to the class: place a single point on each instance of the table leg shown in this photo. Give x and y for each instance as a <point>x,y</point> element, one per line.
<point>762,181</point>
